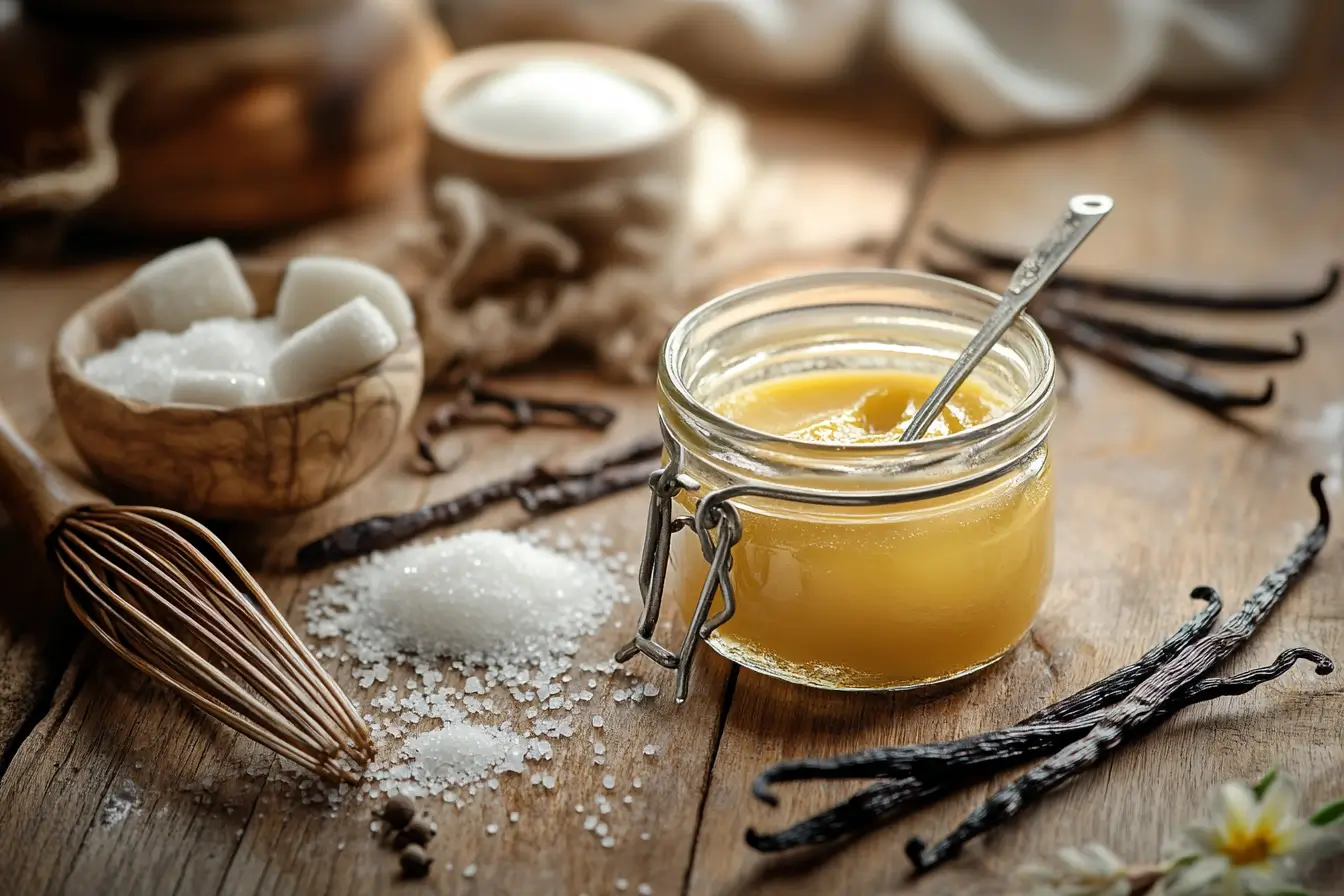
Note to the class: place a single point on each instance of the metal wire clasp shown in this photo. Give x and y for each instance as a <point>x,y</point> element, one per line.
<point>718,528</point>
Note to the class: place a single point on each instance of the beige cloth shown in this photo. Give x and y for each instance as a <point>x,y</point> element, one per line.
<point>992,66</point>
<point>607,269</point>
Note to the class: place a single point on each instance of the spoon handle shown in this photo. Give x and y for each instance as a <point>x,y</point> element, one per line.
<point>1083,214</point>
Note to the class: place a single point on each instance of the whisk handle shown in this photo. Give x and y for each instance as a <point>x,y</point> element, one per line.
<point>37,494</point>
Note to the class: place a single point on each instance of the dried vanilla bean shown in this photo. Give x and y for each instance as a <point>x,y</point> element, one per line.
<point>389,530</point>
<point>583,483</point>
<point>1203,349</point>
<point>881,803</point>
<point>1132,716</point>
<point>575,491</point>
<point>1279,300</point>
<point>528,411</point>
<point>523,412</point>
<point>1102,693</point>
<point>1168,374</point>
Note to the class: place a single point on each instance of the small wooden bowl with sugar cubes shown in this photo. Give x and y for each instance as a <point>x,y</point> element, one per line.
<point>231,391</point>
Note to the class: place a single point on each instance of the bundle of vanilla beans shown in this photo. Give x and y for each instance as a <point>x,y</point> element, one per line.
<point>538,488</point>
<point>1073,734</point>
<point>1071,311</point>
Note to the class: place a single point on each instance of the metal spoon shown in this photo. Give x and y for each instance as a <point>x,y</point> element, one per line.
<point>1084,213</point>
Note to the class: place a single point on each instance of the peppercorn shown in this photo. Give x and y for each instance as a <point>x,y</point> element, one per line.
<point>398,812</point>
<point>415,861</point>
<point>420,831</point>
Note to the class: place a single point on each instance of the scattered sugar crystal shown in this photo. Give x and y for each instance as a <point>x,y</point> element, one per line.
<point>590,823</point>
<point>608,842</point>
<point>650,749</point>
<point>627,799</point>
<point>548,781</point>
<point>597,721</point>
<point>578,807</point>
<point>599,748</point>
<point>492,829</point>
<point>474,686</point>
<point>469,871</point>
<point>650,689</point>
<point>592,682</point>
<point>602,829</point>
<point>609,782</point>
<point>458,754</point>
<point>513,817</point>
<point>644,890</point>
<point>646,836</point>
<point>637,783</point>
<point>618,695</point>
<point>622,883</point>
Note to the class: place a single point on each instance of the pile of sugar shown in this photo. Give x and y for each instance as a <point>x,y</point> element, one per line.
<point>558,106</point>
<point>485,599</point>
<point>145,365</point>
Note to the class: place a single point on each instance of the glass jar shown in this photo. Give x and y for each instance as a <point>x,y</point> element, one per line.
<point>875,566</point>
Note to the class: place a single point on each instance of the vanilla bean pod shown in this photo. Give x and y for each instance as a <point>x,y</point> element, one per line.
<point>382,532</point>
<point>1123,680</point>
<point>1101,693</point>
<point>524,411</point>
<point>880,803</point>
<point>1168,374</point>
<point>379,533</point>
<point>1193,347</point>
<point>1132,716</point>
<point>527,411</point>
<point>997,750</point>
<point>575,491</point>
<point>1133,293</point>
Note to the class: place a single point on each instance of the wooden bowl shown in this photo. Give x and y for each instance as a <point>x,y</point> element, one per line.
<point>234,463</point>
<point>514,174</point>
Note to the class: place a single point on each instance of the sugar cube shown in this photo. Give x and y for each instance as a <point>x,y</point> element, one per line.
<point>192,282</point>
<point>217,388</point>
<point>317,284</point>
<point>336,345</point>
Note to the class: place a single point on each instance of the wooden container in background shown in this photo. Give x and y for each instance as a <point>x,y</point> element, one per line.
<point>235,131</point>
<point>179,13</point>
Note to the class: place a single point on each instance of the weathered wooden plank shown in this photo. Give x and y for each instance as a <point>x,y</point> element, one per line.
<point>1154,498</point>
<point>37,635</point>
<point>95,792</point>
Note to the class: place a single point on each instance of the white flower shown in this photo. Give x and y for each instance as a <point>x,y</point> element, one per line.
<point>1092,870</point>
<point>1253,845</point>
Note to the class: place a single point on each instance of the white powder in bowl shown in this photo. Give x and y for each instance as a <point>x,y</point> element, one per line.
<point>557,106</point>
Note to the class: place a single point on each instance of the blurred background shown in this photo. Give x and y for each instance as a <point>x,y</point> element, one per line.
<point>241,116</point>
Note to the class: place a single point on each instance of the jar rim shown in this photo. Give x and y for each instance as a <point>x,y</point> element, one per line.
<point>673,384</point>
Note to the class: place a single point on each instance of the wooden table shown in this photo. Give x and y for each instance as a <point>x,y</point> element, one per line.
<point>1154,498</point>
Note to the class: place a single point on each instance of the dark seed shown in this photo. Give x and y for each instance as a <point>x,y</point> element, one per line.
<point>418,832</point>
<point>398,812</point>
<point>415,861</point>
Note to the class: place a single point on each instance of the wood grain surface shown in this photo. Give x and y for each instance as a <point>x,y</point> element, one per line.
<point>1154,498</point>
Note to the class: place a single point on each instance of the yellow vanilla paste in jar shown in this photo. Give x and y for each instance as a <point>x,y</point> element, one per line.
<point>876,597</point>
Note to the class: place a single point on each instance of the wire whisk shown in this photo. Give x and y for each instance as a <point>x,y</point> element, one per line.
<point>168,597</point>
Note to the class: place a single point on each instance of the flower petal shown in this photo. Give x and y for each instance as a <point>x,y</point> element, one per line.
<point>1195,878</point>
<point>1280,801</point>
<point>1235,807</point>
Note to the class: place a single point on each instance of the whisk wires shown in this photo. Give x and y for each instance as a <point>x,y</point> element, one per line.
<point>169,598</point>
